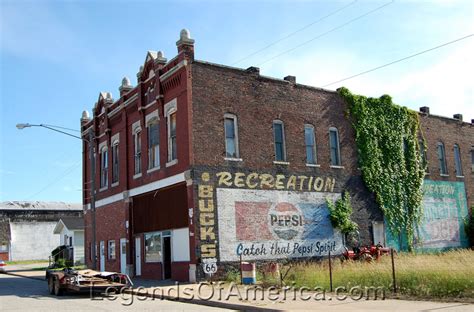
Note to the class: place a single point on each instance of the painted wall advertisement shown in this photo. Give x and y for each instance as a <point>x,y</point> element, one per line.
<point>272,224</point>
<point>442,226</point>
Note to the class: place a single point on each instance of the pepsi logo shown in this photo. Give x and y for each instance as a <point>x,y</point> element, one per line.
<point>285,220</point>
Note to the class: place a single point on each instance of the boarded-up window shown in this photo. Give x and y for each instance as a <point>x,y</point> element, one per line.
<point>161,210</point>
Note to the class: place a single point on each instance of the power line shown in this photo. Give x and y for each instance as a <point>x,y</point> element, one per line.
<point>327,32</point>
<point>295,32</point>
<point>399,60</point>
<point>59,178</point>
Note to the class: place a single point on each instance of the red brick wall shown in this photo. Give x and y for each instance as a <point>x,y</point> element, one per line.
<point>110,225</point>
<point>449,132</point>
<point>180,271</point>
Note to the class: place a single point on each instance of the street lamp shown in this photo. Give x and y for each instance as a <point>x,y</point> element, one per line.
<point>89,141</point>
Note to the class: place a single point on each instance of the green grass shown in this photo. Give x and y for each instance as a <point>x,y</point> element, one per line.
<point>442,275</point>
<point>25,262</point>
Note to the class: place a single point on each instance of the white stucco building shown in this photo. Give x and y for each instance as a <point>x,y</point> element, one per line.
<point>27,228</point>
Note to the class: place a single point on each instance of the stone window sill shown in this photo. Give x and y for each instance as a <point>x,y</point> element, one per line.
<point>114,184</point>
<point>172,163</point>
<point>233,159</point>
<point>313,165</point>
<point>138,175</point>
<point>337,167</point>
<point>443,175</point>
<point>276,162</point>
<point>153,169</point>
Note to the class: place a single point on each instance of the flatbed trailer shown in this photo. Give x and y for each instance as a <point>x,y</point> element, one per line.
<point>81,281</point>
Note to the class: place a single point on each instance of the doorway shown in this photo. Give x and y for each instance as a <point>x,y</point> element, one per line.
<point>167,257</point>
<point>102,255</point>
<point>138,256</point>
<point>123,255</point>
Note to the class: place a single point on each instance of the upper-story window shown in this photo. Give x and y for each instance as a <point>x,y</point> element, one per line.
<point>310,143</point>
<point>104,166</point>
<point>472,159</point>
<point>137,151</point>
<point>424,157</point>
<point>170,112</point>
<point>279,140</point>
<point>442,159</point>
<point>334,147</point>
<point>115,161</point>
<point>231,136</point>
<point>153,144</point>
<point>457,160</point>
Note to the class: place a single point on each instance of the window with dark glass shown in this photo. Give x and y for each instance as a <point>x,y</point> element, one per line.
<point>104,167</point>
<point>457,160</point>
<point>279,139</point>
<point>442,159</point>
<point>172,148</point>
<point>424,158</point>
<point>334,147</point>
<point>115,163</point>
<point>138,153</point>
<point>153,145</point>
<point>310,143</point>
<point>231,142</point>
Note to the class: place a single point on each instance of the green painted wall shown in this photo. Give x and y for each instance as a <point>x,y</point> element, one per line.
<point>442,227</point>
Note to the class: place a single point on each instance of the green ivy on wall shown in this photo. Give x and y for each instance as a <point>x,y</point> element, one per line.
<point>340,214</point>
<point>387,138</point>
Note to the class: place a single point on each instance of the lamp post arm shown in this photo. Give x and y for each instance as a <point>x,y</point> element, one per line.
<point>63,132</point>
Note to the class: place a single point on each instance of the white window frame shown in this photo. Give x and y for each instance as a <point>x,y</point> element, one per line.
<point>153,164</point>
<point>104,167</point>
<point>137,153</point>
<point>236,137</point>
<point>338,148</point>
<point>442,164</point>
<point>457,161</point>
<point>171,108</point>
<point>284,160</point>
<point>314,149</point>
<point>111,255</point>
<point>115,162</point>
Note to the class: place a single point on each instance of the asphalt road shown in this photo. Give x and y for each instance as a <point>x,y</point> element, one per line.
<point>26,294</point>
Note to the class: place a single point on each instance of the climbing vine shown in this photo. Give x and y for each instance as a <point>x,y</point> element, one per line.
<point>387,138</point>
<point>340,214</point>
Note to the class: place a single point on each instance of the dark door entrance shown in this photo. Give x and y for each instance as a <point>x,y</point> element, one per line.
<point>167,256</point>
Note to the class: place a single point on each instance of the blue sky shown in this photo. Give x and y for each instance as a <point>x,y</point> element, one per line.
<point>56,56</point>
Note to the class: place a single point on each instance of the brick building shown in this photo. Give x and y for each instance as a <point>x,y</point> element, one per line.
<point>200,163</point>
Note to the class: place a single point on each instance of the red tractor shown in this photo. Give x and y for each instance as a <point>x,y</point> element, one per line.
<point>364,253</point>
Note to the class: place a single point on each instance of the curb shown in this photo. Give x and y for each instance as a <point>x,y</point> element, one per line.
<point>208,303</point>
<point>20,275</point>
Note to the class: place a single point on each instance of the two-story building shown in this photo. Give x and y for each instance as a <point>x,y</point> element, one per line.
<point>201,163</point>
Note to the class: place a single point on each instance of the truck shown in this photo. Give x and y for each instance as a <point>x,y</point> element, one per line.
<point>79,281</point>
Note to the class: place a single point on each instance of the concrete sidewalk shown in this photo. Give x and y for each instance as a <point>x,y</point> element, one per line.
<point>239,297</point>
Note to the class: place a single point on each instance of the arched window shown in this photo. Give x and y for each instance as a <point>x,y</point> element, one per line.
<point>310,144</point>
<point>153,144</point>
<point>104,166</point>
<point>137,150</point>
<point>279,140</point>
<point>231,136</point>
<point>424,157</point>
<point>442,159</point>
<point>457,160</point>
<point>115,161</point>
<point>334,147</point>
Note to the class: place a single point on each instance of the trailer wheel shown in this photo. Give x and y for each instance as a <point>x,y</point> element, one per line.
<point>51,285</point>
<point>57,287</point>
